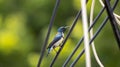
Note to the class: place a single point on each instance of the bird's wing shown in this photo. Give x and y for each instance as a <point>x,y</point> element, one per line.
<point>57,38</point>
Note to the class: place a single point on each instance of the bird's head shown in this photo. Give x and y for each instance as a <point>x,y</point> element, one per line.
<point>63,28</point>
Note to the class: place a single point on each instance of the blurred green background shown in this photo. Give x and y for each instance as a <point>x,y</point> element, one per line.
<point>24,25</point>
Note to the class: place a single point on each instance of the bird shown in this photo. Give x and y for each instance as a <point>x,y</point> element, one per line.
<point>58,39</point>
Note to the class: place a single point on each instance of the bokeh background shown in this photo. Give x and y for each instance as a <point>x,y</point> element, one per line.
<point>24,25</point>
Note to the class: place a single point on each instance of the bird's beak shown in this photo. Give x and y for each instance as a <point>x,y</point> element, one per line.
<point>67,27</point>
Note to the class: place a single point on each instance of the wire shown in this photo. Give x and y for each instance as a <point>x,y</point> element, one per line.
<point>71,28</point>
<point>80,41</point>
<point>48,33</point>
<point>98,31</point>
<point>91,35</point>
<point>118,21</point>
<point>116,15</point>
<point>82,52</point>
<point>113,22</point>
<point>86,35</point>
